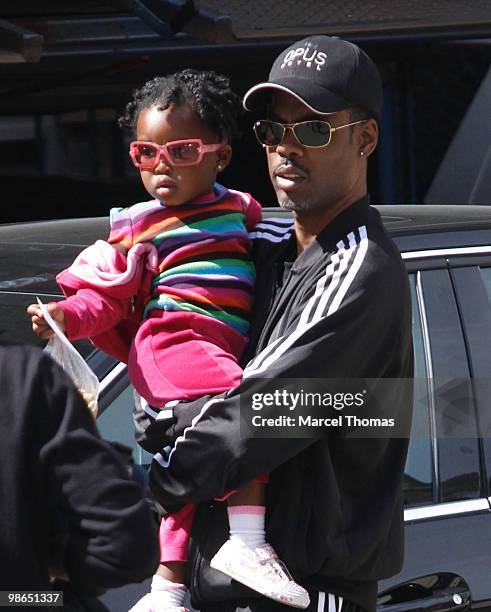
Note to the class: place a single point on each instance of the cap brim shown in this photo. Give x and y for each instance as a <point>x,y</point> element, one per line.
<point>331,103</point>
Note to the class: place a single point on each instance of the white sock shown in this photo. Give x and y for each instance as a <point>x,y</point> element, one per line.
<point>170,594</point>
<point>247,525</point>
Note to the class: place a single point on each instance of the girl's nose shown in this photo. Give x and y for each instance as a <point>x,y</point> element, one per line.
<point>163,166</point>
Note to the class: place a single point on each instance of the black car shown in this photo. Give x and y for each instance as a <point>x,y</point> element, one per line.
<point>447,481</point>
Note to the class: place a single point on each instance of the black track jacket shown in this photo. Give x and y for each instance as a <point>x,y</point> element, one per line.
<point>342,309</point>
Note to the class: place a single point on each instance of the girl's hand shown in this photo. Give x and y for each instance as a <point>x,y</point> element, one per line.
<point>39,325</point>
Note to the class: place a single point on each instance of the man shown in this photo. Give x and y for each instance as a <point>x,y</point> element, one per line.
<point>332,303</point>
<point>68,508</point>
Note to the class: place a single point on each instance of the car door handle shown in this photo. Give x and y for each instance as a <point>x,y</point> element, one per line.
<point>437,592</point>
<point>442,603</point>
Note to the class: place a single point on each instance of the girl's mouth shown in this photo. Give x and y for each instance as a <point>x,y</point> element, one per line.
<point>165,186</point>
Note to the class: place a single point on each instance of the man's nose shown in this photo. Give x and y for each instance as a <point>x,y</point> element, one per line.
<point>289,145</point>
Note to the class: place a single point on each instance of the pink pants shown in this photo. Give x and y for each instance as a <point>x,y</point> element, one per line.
<point>175,530</point>
<point>183,355</point>
<point>174,533</point>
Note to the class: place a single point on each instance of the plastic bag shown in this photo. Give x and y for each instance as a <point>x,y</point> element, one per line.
<point>66,355</point>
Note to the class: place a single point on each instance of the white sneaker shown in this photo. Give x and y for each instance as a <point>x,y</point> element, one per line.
<point>151,602</point>
<point>261,570</point>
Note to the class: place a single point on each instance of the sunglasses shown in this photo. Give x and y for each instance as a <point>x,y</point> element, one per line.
<point>313,134</point>
<point>147,155</point>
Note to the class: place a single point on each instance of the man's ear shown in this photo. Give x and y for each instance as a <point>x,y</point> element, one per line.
<point>224,155</point>
<point>368,137</point>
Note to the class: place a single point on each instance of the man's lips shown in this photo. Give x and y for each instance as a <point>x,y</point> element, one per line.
<point>289,170</point>
<point>289,176</point>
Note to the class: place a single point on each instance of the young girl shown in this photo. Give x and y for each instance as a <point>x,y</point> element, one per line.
<point>170,293</point>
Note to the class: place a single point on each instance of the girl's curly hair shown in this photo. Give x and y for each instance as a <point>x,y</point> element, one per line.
<point>204,91</point>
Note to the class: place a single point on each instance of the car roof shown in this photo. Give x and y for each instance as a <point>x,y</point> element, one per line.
<point>32,253</point>
<point>398,219</point>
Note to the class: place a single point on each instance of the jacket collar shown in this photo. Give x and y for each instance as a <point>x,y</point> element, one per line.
<point>347,220</point>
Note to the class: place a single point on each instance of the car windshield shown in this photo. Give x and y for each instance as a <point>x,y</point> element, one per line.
<point>15,325</point>
<point>31,255</point>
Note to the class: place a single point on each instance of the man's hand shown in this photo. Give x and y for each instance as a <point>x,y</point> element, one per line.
<point>39,325</point>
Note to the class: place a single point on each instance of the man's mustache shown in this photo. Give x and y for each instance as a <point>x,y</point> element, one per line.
<point>286,164</point>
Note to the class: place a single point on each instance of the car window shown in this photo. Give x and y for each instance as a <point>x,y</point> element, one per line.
<point>116,425</point>
<point>458,465</point>
<point>473,284</point>
<point>15,324</point>
<point>418,473</point>
<point>486,277</point>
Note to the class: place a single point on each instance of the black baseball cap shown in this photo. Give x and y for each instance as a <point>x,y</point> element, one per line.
<point>326,73</point>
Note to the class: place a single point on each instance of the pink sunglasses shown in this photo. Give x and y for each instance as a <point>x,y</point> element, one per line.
<point>147,155</point>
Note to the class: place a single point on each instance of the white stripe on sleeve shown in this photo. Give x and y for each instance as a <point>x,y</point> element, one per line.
<point>264,353</point>
<point>268,236</point>
<point>360,255</point>
<point>343,267</point>
<point>321,283</point>
<point>165,462</point>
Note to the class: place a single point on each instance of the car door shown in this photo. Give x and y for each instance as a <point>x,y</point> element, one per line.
<point>471,278</point>
<point>447,510</point>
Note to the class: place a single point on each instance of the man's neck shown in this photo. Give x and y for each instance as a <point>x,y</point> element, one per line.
<point>308,225</point>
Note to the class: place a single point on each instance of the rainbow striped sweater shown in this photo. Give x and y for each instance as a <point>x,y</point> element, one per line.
<point>204,262</point>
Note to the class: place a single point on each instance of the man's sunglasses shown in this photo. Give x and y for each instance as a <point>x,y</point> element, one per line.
<point>313,134</point>
<point>147,155</point>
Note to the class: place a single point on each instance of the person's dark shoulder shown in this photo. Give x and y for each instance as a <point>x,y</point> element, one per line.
<point>12,355</point>
<point>33,384</point>
<point>384,284</point>
<point>20,360</point>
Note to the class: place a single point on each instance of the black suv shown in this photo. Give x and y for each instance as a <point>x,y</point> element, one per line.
<point>447,481</point>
